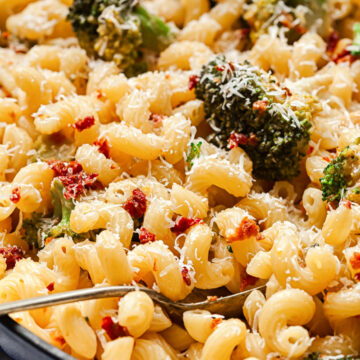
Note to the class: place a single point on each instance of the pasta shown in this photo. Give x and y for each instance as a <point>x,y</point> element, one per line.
<point>196,148</point>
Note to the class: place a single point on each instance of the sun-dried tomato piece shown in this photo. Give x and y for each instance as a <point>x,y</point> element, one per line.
<point>136,204</point>
<point>112,329</point>
<point>85,123</point>
<point>182,224</point>
<point>15,195</point>
<point>11,254</point>
<point>193,81</point>
<point>355,261</point>
<point>247,280</point>
<point>186,275</point>
<point>237,139</point>
<point>246,229</point>
<point>215,322</point>
<point>146,236</point>
<point>260,105</point>
<point>103,147</point>
<point>73,177</point>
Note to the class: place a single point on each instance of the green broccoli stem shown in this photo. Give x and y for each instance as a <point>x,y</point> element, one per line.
<point>156,34</point>
<point>62,210</point>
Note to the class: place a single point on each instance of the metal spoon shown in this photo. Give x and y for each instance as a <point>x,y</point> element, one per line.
<point>228,305</point>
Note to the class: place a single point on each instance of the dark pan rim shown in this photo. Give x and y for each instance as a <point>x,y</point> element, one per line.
<point>21,344</point>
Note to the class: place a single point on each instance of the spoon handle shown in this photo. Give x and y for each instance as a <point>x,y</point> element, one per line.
<point>73,296</point>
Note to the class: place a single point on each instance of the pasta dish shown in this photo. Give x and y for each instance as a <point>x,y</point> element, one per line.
<point>182,145</point>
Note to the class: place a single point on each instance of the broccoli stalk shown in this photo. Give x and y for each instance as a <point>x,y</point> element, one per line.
<point>246,107</point>
<point>341,176</point>
<point>118,30</point>
<point>62,210</point>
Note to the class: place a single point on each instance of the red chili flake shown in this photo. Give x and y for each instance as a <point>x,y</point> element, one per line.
<point>146,236</point>
<point>246,229</point>
<point>347,204</point>
<point>113,330</point>
<point>5,35</point>
<point>156,119</point>
<point>51,286</point>
<point>260,105</point>
<point>15,195</point>
<point>60,339</point>
<point>247,280</point>
<point>310,150</point>
<point>286,20</point>
<point>103,147</point>
<point>237,139</point>
<point>99,94</point>
<point>211,298</point>
<point>357,276</point>
<point>136,205</point>
<point>332,42</point>
<point>326,158</point>
<point>220,68</point>
<point>11,254</point>
<point>355,260</point>
<point>85,123</point>
<point>215,322</point>
<point>193,81</point>
<point>186,276</point>
<point>73,178</point>
<point>182,224</point>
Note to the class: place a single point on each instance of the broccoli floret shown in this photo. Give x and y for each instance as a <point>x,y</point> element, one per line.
<point>62,210</point>
<point>35,230</point>
<point>246,107</point>
<point>53,147</point>
<point>118,30</point>
<point>286,14</point>
<point>341,176</point>
<point>193,153</point>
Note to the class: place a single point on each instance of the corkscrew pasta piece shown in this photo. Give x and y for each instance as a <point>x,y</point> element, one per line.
<point>57,116</point>
<point>155,263</point>
<point>241,232</point>
<point>122,345</point>
<point>200,324</point>
<point>94,162</point>
<point>319,268</point>
<point>113,259</point>
<point>187,203</point>
<point>208,274</point>
<point>230,176</point>
<point>136,311</point>
<point>281,318</point>
<point>133,141</point>
<point>42,19</point>
<point>76,331</point>
<point>221,343</point>
<point>337,225</point>
<point>99,215</point>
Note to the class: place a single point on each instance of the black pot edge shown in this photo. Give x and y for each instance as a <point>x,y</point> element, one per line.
<point>21,344</point>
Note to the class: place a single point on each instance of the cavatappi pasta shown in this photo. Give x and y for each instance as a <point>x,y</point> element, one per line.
<point>109,177</point>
